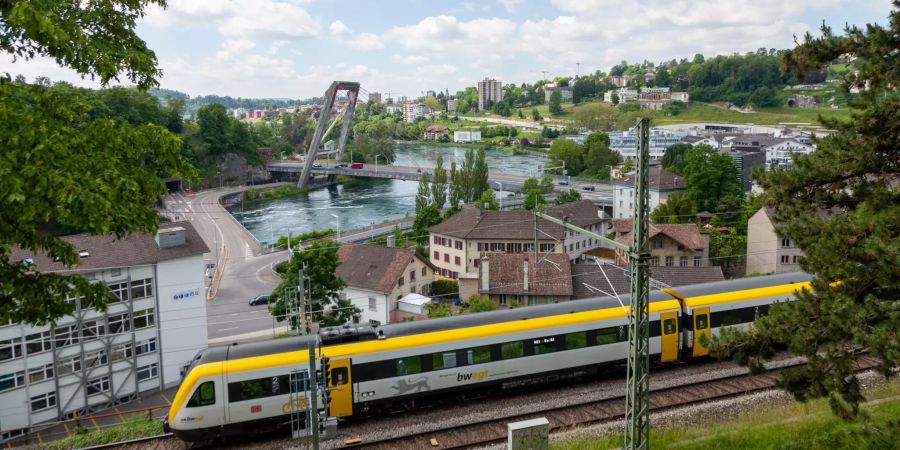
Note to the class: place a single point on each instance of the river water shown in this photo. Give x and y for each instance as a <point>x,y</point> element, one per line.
<point>363,202</point>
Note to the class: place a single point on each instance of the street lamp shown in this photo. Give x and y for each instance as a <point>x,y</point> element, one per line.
<point>282,155</point>
<point>376,163</point>
<point>337,220</point>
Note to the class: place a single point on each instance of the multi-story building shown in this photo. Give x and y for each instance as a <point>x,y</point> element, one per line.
<point>375,97</point>
<point>378,277</point>
<point>767,252</point>
<point>467,136</point>
<point>92,360</point>
<point>625,142</point>
<point>413,111</point>
<point>780,154</point>
<point>490,91</point>
<point>458,243</point>
<point>671,245</point>
<point>511,279</point>
<point>620,80</point>
<point>435,132</point>
<point>662,185</point>
<point>565,92</point>
<point>654,98</point>
<point>451,105</point>
<point>745,162</point>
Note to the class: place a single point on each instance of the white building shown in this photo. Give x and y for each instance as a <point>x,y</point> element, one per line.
<point>780,154</point>
<point>413,111</point>
<point>662,185</point>
<point>451,105</point>
<point>489,91</point>
<point>625,142</point>
<point>378,277</point>
<point>392,108</point>
<point>625,95</point>
<point>95,360</point>
<point>467,136</point>
<point>565,92</point>
<point>767,252</point>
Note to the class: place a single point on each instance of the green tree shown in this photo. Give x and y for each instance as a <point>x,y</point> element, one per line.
<point>480,174</point>
<point>841,205</point>
<point>568,152</point>
<point>444,288</point>
<point>457,191</point>
<point>319,261</point>
<point>555,103</point>
<point>728,251</point>
<point>432,103</point>
<point>214,128</point>
<point>628,165</point>
<point>478,303</point>
<point>438,309</point>
<point>569,196</point>
<point>534,200</point>
<point>423,194</point>
<point>764,97</point>
<point>598,157</point>
<point>488,198</point>
<point>710,176</point>
<point>439,184</point>
<point>674,158</point>
<point>677,209</point>
<point>535,115</point>
<point>663,78</point>
<point>64,167</point>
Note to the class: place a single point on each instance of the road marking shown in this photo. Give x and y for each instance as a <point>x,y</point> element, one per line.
<point>236,314</point>
<point>226,329</point>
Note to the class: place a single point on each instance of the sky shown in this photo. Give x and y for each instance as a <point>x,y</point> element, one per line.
<point>296,48</point>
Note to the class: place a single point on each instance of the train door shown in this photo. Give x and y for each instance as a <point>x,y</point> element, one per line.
<point>668,337</point>
<point>701,328</point>
<point>341,388</point>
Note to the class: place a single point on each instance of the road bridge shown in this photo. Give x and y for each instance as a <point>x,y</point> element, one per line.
<point>599,192</point>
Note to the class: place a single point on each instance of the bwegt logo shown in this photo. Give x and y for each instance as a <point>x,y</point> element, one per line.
<point>477,376</point>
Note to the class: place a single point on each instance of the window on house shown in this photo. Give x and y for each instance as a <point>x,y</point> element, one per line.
<point>121,352</point>
<point>204,395</point>
<point>785,243</point>
<point>550,247</point>
<point>38,342</point>
<point>39,374</point>
<point>92,329</point>
<point>656,243</point>
<point>794,259</point>
<point>65,336</point>
<point>459,245</point>
<point>424,271</point>
<point>70,365</point>
<point>670,261</point>
<point>437,256</point>
<point>119,323</point>
<point>373,306</point>
<point>98,385</point>
<point>654,260</point>
<point>400,281</point>
<point>119,291</point>
<point>502,300</point>
<point>148,346</point>
<point>43,401</point>
<point>148,372</point>
<point>434,240</point>
<point>412,275</point>
<point>12,381</point>
<point>117,272</point>
<point>475,262</point>
<point>143,319</point>
<point>142,288</point>
<point>698,261</point>
<point>10,349</point>
<point>785,259</point>
<point>456,260</point>
<point>683,261</point>
<point>94,359</point>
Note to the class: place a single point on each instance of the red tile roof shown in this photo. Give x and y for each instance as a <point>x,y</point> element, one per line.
<point>373,267</point>
<point>660,180</point>
<point>550,275</point>
<point>686,234</point>
<point>516,224</point>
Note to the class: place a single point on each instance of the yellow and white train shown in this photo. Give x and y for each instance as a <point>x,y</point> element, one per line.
<point>243,388</point>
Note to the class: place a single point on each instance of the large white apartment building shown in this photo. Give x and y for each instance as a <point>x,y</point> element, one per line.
<point>93,359</point>
<point>662,185</point>
<point>489,91</point>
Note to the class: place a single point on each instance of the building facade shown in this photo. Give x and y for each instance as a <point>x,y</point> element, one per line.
<point>413,111</point>
<point>375,97</point>
<point>566,93</point>
<point>521,279</point>
<point>662,185</point>
<point>490,91</point>
<point>767,252</point>
<point>93,359</point>
<point>451,105</point>
<point>378,277</point>
<point>671,245</point>
<point>467,136</point>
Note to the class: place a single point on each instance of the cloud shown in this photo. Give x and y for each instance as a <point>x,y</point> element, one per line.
<point>510,5</point>
<point>239,18</point>
<point>409,59</point>
<point>362,41</point>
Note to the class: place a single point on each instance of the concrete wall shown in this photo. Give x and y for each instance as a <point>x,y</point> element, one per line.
<point>182,314</point>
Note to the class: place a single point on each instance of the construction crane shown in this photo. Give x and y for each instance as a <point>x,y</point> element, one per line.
<point>578,69</point>
<point>542,72</point>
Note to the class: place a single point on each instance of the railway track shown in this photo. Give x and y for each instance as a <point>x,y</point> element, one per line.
<point>588,412</point>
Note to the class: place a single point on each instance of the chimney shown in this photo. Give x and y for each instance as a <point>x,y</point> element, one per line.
<point>485,269</point>
<point>391,241</point>
<point>170,237</point>
<point>525,272</point>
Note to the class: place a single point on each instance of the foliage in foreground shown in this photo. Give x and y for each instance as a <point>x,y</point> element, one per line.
<point>842,207</point>
<point>135,426</point>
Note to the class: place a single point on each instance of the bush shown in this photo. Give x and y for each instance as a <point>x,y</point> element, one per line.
<point>444,287</point>
<point>318,234</point>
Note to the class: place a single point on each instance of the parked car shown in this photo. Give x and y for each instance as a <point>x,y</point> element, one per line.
<point>317,165</point>
<point>588,188</point>
<point>563,182</point>
<point>356,166</point>
<point>261,299</point>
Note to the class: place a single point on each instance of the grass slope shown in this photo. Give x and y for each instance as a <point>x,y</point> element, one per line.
<point>797,426</point>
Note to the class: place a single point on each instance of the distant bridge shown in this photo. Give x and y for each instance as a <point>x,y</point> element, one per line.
<point>599,192</point>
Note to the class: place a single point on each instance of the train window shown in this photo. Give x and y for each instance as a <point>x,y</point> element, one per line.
<point>258,388</point>
<point>203,396</point>
<point>479,355</point>
<point>576,340</point>
<point>607,336</point>
<point>512,350</point>
<point>339,376</point>
<point>701,322</point>
<point>731,318</point>
<point>545,345</point>
<point>668,326</point>
<point>444,360</point>
<point>409,365</point>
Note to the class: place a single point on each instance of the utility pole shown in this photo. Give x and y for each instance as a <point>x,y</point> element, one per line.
<point>637,394</point>
<point>313,397</point>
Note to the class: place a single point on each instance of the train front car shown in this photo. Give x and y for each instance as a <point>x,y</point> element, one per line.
<point>198,412</point>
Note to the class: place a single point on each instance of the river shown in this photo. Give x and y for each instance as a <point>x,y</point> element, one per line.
<point>363,202</point>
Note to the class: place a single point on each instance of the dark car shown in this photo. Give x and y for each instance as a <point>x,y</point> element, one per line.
<point>261,299</point>
<point>587,188</point>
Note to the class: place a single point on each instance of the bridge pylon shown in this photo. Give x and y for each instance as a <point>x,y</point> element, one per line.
<point>352,89</point>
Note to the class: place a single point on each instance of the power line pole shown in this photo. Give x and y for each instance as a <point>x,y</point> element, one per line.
<point>637,394</point>
<point>313,398</point>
